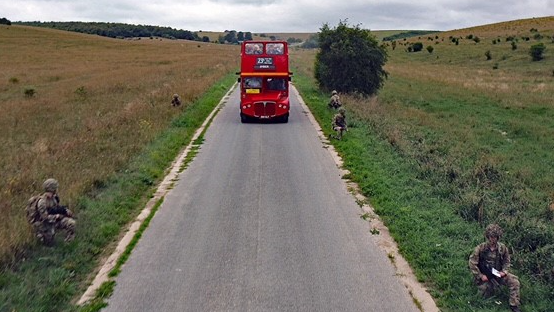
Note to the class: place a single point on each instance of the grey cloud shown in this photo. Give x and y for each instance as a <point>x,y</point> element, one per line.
<point>281,15</point>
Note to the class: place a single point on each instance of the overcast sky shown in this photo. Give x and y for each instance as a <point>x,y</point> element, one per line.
<point>280,15</point>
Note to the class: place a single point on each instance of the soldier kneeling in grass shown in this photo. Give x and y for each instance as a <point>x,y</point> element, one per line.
<point>46,215</point>
<point>339,123</point>
<point>334,102</point>
<point>489,264</point>
<point>176,101</point>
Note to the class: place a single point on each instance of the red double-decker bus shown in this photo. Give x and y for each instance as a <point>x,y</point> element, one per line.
<point>264,81</point>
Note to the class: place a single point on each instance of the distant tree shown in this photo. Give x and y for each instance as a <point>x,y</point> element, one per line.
<point>5,21</point>
<point>349,60</point>
<point>231,37</point>
<point>272,37</point>
<point>240,36</point>
<point>311,43</point>
<point>292,40</point>
<point>416,47</point>
<point>514,45</point>
<point>205,39</point>
<point>430,49</point>
<point>537,51</point>
<point>248,36</point>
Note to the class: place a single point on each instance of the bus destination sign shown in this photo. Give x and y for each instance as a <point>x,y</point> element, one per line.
<point>264,63</point>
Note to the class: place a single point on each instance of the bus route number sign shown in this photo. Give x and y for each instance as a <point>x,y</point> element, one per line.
<point>264,63</point>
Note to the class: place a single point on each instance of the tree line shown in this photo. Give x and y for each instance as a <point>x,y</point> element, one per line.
<point>117,30</point>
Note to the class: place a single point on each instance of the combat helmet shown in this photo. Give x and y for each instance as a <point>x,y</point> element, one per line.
<point>493,230</point>
<point>50,185</point>
<point>342,111</point>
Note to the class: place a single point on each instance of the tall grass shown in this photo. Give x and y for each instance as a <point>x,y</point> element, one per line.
<point>449,145</point>
<point>97,103</point>
<point>123,135</point>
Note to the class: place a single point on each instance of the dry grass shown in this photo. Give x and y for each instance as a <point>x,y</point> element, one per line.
<point>510,75</point>
<point>509,28</point>
<point>97,102</point>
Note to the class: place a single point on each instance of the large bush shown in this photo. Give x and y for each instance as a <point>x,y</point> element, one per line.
<point>416,47</point>
<point>349,60</point>
<point>537,51</point>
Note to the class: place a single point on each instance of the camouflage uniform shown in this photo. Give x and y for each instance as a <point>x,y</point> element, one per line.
<point>499,259</point>
<point>47,220</point>
<point>176,101</point>
<point>335,100</point>
<point>339,123</point>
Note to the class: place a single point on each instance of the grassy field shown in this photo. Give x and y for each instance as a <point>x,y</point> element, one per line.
<point>453,142</point>
<point>95,114</point>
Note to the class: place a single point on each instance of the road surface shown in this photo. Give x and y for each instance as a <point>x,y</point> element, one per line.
<point>260,221</point>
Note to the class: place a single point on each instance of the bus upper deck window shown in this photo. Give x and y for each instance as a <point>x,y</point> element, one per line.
<point>275,48</point>
<point>253,48</point>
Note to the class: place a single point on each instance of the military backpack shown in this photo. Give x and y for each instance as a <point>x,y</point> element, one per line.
<point>31,209</point>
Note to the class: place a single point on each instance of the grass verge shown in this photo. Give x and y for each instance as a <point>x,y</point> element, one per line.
<point>50,279</point>
<point>431,233</point>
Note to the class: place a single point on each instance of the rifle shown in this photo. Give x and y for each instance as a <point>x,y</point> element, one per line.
<point>487,269</point>
<point>61,210</point>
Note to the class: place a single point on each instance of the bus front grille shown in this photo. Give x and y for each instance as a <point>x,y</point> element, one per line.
<point>264,109</point>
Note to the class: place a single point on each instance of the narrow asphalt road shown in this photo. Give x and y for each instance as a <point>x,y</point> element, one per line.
<point>260,221</point>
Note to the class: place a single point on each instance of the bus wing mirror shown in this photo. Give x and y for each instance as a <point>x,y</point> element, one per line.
<point>238,79</point>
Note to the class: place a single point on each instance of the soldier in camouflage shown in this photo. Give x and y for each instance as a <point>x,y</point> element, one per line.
<point>489,264</point>
<point>46,215</point>
<point>334,102</point>
<point>176,100</point>
<point>339,123</point>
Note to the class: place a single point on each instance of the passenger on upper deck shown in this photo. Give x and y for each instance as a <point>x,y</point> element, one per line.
<point>274,48</point>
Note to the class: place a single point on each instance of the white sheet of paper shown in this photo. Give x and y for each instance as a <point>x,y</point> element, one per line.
<point>496,272</point>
